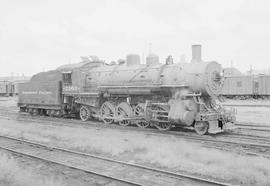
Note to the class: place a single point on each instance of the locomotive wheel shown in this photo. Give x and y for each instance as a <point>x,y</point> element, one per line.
<point>124,110</point>
<point>84,113</point>
<point>201,127</point>
<point>163,126</point>
<point>139,111</point>
<point>107,112</point>
<point>166,125</point>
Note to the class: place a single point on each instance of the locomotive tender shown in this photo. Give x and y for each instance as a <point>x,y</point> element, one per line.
<point>152,94</point>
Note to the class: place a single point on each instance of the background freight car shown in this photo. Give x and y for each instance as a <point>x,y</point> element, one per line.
<point>238,86</point>
<point>15,86</point>
<point>5,88</point>
<point>262,85</point>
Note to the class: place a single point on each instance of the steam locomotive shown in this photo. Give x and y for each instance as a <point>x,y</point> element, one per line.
<point>152,94</point>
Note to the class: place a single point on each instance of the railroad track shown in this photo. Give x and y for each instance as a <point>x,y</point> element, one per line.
<point>254,141</point>
<point>245,105</point>
<point>242,125</point>
<point>251,145</point>
<point>257,127</point>
<point>122,172</point>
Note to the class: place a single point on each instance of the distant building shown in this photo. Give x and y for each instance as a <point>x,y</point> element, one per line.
<point>258,72</point>
<point>14,78</point>
<point>228,72</point>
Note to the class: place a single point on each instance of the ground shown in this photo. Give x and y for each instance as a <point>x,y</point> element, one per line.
<point>251,111</point>
<point>166,152</point>
<point>252,102</point>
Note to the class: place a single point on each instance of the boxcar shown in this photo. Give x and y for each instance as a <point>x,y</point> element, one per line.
<point>5,88</point>
<point>262,85</point>
<point>238,86</point>
<point>15,86</point>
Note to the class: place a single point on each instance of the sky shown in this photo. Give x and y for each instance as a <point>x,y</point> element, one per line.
<point>40,35</point>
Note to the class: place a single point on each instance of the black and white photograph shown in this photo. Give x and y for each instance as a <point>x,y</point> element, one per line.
<point>134,93</point>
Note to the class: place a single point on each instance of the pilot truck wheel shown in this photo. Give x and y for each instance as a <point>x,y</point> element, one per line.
<point>201,127</point>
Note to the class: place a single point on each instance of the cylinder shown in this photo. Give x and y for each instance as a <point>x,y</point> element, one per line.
<point>196,53</point>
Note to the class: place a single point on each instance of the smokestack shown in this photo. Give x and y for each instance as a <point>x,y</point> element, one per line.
<point>196,53</point>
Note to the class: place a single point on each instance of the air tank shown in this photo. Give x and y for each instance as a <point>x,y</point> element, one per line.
<point>152,59</point>
<point>133,59</point>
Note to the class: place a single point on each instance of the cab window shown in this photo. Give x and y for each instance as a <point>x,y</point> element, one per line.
<point>67,78</point>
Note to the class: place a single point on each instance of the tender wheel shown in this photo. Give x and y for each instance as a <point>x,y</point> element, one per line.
<point>107,112</point>
<point>124,110</point>
<point>58,113</point>
<point>30,111</point>
<point>35,112</point>
<point>41,112</point>
<point>139,111</point>
<point>22,109</point>
<point>201,127</point>
<point>49,113</point>
<point>84,113</point>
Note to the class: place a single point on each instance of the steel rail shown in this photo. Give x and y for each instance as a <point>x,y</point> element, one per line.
<point>251,124</point>
<point>169,173</point>
<point>157,132</point>
<point>245,105</point>
<point>71,167</point>
<point>253,127</point>
<point>26,117</point>
<point>242,125</point>
<point>154,131</point>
